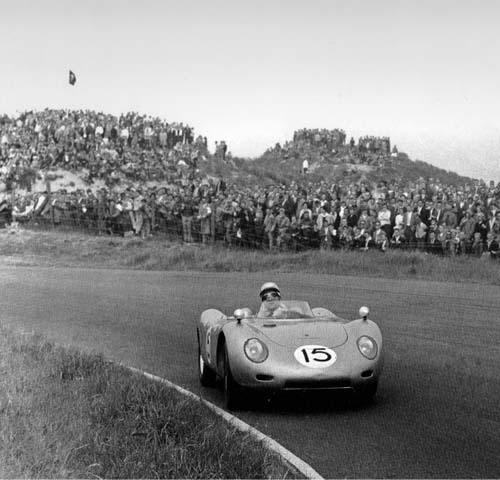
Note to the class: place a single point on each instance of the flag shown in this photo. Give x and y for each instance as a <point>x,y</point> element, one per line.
<point>72,78</point>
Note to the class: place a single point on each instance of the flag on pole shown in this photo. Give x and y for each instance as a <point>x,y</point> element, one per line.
<point>72,78</point>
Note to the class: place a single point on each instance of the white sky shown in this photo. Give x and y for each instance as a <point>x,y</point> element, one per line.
<point>426,73</point>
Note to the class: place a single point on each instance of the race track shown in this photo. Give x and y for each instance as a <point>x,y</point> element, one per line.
<point>437,413</point>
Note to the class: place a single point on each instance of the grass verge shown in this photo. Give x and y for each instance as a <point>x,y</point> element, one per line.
<point>66,414</point>
<point>56,248</point>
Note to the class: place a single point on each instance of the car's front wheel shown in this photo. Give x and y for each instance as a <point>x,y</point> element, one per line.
<point>205,373</point>
<point>232,391</point>
<point>366,393</point>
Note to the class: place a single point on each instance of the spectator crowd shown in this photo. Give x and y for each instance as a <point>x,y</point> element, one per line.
<point>331,146</point>
<point>425,215</point>
<point>130,147</point>
<point>152,187</point>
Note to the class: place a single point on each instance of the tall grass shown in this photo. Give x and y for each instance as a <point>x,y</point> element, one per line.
<point>73,249</point>
<point>65,414</point>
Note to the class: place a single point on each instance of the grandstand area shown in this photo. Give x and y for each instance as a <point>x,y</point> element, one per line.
<point>137,175</point>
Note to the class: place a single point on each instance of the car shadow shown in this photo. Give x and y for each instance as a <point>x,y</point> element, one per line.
<point>310,402</point>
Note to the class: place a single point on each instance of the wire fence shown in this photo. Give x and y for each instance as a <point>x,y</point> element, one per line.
<point>192,230</point>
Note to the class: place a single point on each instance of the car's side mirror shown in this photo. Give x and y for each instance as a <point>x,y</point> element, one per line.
<point>363,312</point>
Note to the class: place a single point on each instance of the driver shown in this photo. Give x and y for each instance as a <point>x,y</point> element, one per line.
<point>270,296</point>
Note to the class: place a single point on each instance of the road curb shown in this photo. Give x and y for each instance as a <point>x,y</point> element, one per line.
<point>302,467</point>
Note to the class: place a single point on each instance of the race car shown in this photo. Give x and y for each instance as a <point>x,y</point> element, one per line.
<point>293,347</point>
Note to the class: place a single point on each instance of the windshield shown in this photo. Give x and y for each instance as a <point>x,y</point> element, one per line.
<point>285,309</point>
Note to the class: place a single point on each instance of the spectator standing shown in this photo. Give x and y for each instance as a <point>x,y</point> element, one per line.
<point>467,227</point>
<point>398,240</point>
<point>409,222</point>
<point>187,210</point>
<point>481,226</point>
<point>384,217</point>
<point>477,244</point>
<point>270,227</point>
<point>306,229</point>
<point>258,226</point>
<point>205,217</point>
<point>449,216</point>
<point>433,244</point>
<point>305,166</point>
<point>493,245</point>
<point>137,212</point>
<point>282,227</point>
<point>420,232</point>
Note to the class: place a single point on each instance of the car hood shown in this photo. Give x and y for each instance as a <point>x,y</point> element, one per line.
<point>295,333</point>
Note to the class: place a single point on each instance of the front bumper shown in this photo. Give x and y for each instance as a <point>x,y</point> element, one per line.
<point>277,377</point>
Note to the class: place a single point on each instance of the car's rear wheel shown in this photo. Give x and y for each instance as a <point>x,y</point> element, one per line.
<point>232,391</point>
<point>205,373</point>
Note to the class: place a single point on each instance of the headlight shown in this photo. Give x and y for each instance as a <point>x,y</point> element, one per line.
<point>255,350</point>
<point>368,347</point>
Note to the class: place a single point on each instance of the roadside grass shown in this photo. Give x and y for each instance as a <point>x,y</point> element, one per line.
<point>67,414</point>
<point>63,248</point>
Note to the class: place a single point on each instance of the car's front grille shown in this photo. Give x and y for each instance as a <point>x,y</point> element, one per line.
<point>317,384</point>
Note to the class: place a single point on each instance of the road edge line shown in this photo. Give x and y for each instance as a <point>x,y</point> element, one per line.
<point>302,467</point>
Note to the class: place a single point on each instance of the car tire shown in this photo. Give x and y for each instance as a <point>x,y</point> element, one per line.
<point>232,391</point>
<point>206,375</point>
<point>366,394</point>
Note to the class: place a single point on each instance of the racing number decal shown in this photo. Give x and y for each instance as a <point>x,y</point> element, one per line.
<point>315,356</point>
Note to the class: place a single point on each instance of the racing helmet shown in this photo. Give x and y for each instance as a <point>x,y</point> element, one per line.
<point>269,287</point>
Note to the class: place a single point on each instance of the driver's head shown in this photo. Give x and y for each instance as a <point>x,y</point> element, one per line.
<point>269,291</point>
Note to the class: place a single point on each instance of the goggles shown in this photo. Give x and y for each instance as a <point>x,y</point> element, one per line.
<point>270,296</point>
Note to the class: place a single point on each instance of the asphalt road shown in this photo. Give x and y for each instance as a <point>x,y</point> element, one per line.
<point>437,414</point>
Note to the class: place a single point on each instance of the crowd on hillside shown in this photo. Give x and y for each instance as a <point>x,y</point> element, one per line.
<point>331,146</point>
<point>129,152</point>
<point>110,148</point>
<point>426,215</point>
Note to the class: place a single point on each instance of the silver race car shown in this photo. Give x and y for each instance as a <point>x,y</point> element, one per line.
<point>292,347</point>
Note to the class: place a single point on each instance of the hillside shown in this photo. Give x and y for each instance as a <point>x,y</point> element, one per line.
<point>283,164</point>
<point>85,149</point>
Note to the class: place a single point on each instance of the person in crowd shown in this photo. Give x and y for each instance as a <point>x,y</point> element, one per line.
<point>477,247</point>
<point>306,229</point>
<point>449,216</point>
<point>246,224</point>
<point>187,211</point>
<point>327,236</point>
<point>270,227</point>
<point>397,240</point>
<point>423,211</point>
<point>345,237</point>
<point>433,244</point>
<point>384,218</point>
<point>399,218</point>
<point>493,222</point>
<point>282,229</point>
<point>205,217</point>
<point>420,232</point>
<point>467,226</point>
<point>258,222</point>
<point>380,239</point>
<point>481,226</point>
<point>409,223</point>
<point>493,245</point>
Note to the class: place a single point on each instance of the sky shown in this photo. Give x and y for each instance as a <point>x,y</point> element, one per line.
<point>425,73</point>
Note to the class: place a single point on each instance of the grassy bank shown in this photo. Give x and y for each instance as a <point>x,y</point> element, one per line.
<point>64,414</point>
<point>24,247</point>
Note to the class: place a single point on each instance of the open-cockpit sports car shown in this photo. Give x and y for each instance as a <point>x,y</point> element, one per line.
<point>288,346</point>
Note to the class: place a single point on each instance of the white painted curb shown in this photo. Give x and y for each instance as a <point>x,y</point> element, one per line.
<point>302,467</point>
